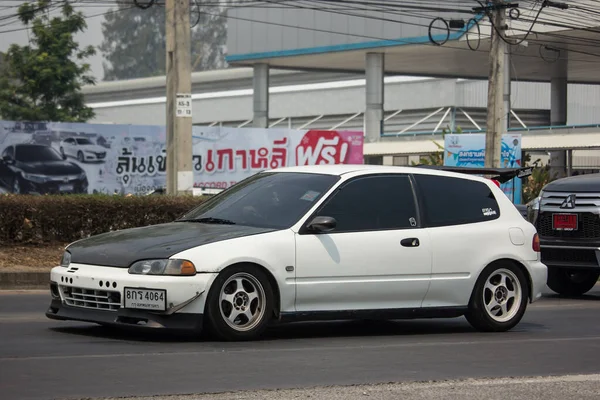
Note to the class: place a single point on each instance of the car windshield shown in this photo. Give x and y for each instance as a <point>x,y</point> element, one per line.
<point>37,154</point>
<point>83,141</point>
<point>269,200</point>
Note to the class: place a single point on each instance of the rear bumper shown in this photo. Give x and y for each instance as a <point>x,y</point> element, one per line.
<point>539,276</point>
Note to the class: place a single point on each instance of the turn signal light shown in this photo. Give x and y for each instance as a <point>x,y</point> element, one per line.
<point>187,268</point>
<point>536,243</point>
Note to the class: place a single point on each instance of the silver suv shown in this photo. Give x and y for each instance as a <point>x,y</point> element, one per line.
<point>567,218</point>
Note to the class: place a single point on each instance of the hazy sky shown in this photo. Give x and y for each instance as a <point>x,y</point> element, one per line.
<point>92,36</point>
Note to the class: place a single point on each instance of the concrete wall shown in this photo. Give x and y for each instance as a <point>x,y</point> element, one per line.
<point>413,96</point>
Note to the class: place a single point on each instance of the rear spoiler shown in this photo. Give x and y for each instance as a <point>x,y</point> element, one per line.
<point>501,175</point>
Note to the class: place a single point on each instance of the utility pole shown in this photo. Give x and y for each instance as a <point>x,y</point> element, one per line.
<point>180,175</point>
<point>496,114</point>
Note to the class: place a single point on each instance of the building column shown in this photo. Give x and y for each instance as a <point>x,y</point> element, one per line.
<point>558,92</point>
<point>260,96</point>
<point>374,72</point>
<point>558,112</point>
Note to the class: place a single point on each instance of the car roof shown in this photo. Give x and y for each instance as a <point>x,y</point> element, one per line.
<point>365,169</point>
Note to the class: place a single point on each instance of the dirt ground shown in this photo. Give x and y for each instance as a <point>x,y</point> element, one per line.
<point>26,258</point>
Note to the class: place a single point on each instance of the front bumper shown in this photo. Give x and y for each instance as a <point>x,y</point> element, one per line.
<point>55,187</point>
<point>100,291</point>
<point>574,254</point>
<point>539,276</point>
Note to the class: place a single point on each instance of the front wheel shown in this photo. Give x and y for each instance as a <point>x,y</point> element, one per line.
<point>569,282</point>
<point>499,299</point>
<point>240,303</point>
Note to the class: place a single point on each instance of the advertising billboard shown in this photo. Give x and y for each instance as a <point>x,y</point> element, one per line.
<point>105,158</point>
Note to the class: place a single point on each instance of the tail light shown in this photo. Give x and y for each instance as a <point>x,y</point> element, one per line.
<point>536,243</point>
<point>496,182</point>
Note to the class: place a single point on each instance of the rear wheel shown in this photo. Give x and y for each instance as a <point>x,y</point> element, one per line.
<point>499,299</point>
<point>240,303</point>
<point>569,282</point>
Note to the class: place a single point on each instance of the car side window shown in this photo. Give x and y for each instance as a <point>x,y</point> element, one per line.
<point>373,203</point>
<point>455,201</point>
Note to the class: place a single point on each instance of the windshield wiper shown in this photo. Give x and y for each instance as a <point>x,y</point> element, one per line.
<point>210,220</point>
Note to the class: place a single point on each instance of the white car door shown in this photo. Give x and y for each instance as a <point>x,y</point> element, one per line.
<point>377,257</point>
<point>68,147</point>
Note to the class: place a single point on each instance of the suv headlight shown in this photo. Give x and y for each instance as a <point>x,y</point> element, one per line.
<point>66,259</point>
<point>535,203</point>
<point>37,178</point>
<point>163,267</point>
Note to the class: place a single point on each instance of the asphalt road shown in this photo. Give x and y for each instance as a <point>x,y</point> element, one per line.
<point>43,359</point>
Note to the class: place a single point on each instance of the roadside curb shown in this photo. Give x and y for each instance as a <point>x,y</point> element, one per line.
<point>24,280</point>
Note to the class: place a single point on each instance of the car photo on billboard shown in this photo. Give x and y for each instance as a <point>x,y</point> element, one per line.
<point>39,169</point>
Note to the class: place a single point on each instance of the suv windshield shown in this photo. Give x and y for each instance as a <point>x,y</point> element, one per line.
<point>269,200</point>
<point>33,153</point>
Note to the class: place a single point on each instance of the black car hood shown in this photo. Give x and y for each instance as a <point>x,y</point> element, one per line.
<point>122,248</point>
<point>51,168</point>
<point>580,183</point>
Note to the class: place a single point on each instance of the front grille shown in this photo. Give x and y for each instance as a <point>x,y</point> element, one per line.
<point>589,227</point>
<point>569,255</point>
<point>91,298</point>
<point>582,200</point>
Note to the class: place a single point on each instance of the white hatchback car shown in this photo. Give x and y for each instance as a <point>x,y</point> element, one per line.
<point>313,243</point>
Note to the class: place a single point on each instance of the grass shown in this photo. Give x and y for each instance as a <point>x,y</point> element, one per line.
<point>29,258</point>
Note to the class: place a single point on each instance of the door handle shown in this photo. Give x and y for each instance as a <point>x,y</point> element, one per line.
<point>410,242</point>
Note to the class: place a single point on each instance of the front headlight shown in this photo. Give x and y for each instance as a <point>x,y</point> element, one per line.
<point>535,203</point>
<point>35,177</point>
<point>163,267</point>
<point>66,259</point>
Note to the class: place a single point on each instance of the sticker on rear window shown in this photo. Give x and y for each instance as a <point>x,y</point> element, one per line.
<point>488,212</point>
<point>310,195</point>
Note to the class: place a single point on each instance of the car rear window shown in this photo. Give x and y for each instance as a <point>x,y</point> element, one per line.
<point>455,201</point>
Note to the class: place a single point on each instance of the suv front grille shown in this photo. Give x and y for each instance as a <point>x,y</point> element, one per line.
<point>90,298</point>
<point>589,227</point>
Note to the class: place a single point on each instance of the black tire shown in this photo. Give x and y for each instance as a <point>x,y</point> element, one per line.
<point>569,282</point>
<point>480,316</point>
<point>216,311</point>
<point>80,157</point>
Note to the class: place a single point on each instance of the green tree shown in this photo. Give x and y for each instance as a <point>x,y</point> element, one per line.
<point>134,40</point>
<point>42,81</point>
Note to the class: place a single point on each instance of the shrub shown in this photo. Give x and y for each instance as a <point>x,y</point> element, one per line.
<point>28,219</point>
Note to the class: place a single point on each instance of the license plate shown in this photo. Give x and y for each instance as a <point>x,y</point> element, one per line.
<point>146,299</point>
<point>65,188</point>
<point>564,222</point>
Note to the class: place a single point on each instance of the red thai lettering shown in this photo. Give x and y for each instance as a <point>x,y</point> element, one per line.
<point>221,154</point>
<point>279,155</point>
<point>244,156</point>
<point>259,158</point>
<point>210,164</point>
<point>321,147</point>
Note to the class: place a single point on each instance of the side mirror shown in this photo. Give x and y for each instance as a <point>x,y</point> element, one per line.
<point>322,224</point>
<point>8,160</point>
